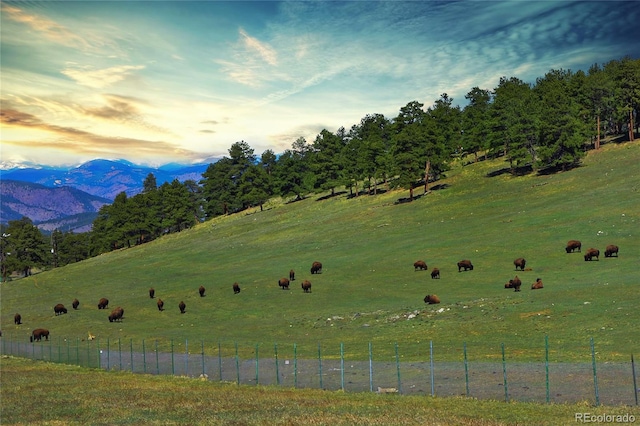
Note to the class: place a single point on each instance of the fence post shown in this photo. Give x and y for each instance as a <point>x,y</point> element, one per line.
<point>186,357</point>
<point>120,352</point>
<point>157,359</point>
<point>635,385</point>
<point>144,358</point>
<point>173,364</point>
<point>203,368</point>
<point>275,348</point>
<point>504,374</point>
<point>320,365</point>
<point>219,361</point>
<point>88,354</point>
<point>370,368</point>
<point>50,350</point>
<point>466,367</point>
<point>78,351</point>
<point>342,366</point>
<point>98,352</point>
<point>237,366</point>
<point>433,392</point>
<point>595,375</point>
<point>131,353</point>
<point>546,365</point>
<point>295,365</point>
<point>257,362</point>
<point>398,368</point>
<point>108,355</point>
<point>59,352</point>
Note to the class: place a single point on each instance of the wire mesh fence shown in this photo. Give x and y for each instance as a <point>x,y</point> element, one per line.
<point>546,381</point>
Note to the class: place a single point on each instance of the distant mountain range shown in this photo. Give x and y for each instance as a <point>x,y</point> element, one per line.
<point>69,199</point>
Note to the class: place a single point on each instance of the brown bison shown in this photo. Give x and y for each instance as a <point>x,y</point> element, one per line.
<point>236,288</point>
<point>572,245</point>
<point>466,264</point>
<point>316,268</point>
<point>283,283</point>
<point>182,307</point>
<point>520,263</point>
<point>611,250</point>
<point>160,305</point>
<point>59,309</point>
<point>431,299</point>
<point>38,334</point>
<point>17,319</point>
<point>75,303</point>
<point>435,274</point>
<point>537,285</point>
<point>201,291</point>
<point>292,275</point>
<point>152,293</point>
<point>103,303</point>
<point>514,283</point>
<point>116,314</point>
<point>591,253</point>
<point>306,286</point>
<point>420,265</point>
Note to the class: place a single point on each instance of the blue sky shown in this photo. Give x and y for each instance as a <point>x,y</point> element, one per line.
<point>155,82</point>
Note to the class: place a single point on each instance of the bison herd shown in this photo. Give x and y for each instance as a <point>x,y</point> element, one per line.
<point>520,263</point>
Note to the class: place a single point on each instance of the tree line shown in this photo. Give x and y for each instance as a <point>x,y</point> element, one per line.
<point>547,125</point>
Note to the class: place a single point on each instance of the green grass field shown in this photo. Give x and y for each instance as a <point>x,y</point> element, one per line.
<point>368,285</point>
<point>39,393</point>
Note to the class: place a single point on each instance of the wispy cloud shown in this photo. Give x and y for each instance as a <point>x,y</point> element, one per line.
<point>255,46</point>
<point>100,78</point>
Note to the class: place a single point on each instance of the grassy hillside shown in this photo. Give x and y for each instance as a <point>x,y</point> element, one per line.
<point>368,286</point>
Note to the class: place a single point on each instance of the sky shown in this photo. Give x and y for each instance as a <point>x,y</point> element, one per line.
<point>157,82</point>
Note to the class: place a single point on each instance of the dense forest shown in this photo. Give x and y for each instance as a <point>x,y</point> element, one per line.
<point>541,127</point>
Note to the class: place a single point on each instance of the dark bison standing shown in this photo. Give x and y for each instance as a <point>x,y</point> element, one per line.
<point>514,283</point>
<point>306,286</point>
<point>17,319</point>
<point>420,265</point>
<point>431,299</point>
<point>38,334</point>
<point>201,291</point>
<point>435,274</point>
<point>292,275</point>
<point>283,283</point>
<point>75,303</point>
<point>316,268</point>
<point>152,293</point>
<point>466,264</point>
<point>59,309</point>
<point>116,314</point>
<point>236,288</point>
<point>160,305</point>
<point>611,250</point>
<point>591,253</point>
<point>520,263</point>
<point>572,245</point>
<point>537,285</point>
<point>103,303</point>
<point>182,307</point>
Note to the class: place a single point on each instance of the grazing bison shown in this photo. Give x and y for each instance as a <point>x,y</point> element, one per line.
<point>103,303</point>
<point>514,283</point>
<point>292,275</point>
<point>152,293</point>
<point>431,299</point>
<point>182,307</point>
<point>160,305</point>
<point>537,285</point>
<point>435,274</point>
<point>116,314</point>
<point>75,303</point>
<point>520,263</point>
<point>59,309</point>
<point>17,319</point>
<point>466,264</point>
<point>572,245</point>
<point>316,268</point>
<point>420,265</point>
<point>236,288</point>
<point>38,334</point>
<point>283,283</point>
<point>306,286</point>
<point>611,250</point>
<point>201,291</point>
<point>591,253</point>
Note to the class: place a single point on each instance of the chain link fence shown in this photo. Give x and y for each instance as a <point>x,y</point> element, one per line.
<point>609,383</point>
